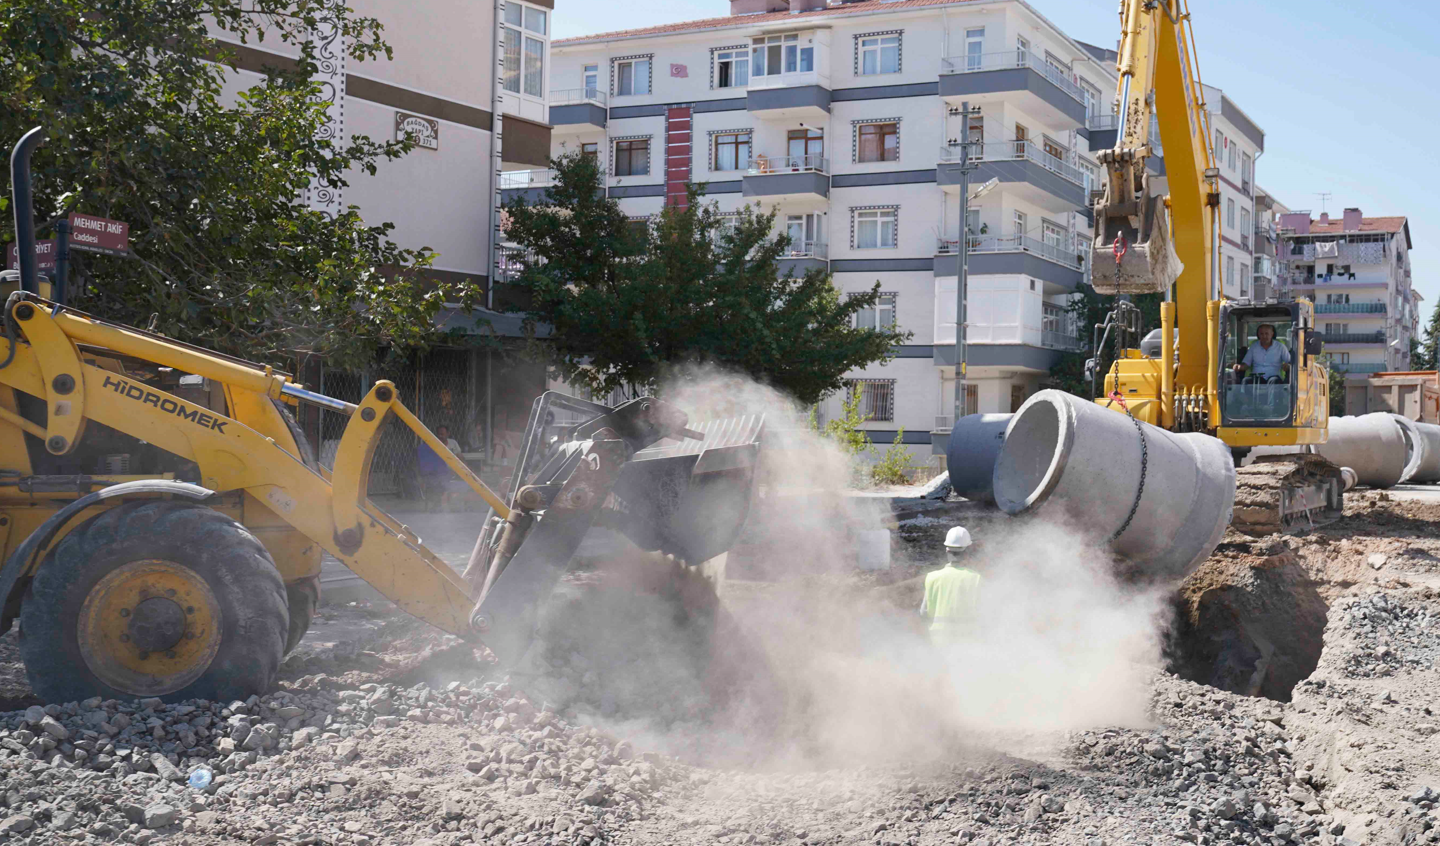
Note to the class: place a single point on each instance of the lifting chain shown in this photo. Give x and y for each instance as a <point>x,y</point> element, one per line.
<point>1144,465</point>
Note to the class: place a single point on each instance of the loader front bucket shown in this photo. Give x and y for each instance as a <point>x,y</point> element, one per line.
<point>690,499</point>
<point>636,468</point>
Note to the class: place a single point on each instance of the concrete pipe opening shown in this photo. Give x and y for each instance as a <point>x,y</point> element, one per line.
<point>1069,458</point>
<point>1414,446</point>
<point>970,457</point>
<point>1372,444</point>
<point>1429,470</point>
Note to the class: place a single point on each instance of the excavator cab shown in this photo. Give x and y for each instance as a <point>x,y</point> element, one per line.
<point>1269,375</point>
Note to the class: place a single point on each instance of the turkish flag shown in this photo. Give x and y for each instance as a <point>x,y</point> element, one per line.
<point>680,71</point>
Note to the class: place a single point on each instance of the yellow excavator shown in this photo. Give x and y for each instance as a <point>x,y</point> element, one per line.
<point>163,519</point>
<point>1189,375</point>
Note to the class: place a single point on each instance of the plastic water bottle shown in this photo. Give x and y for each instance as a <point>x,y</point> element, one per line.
<point>201,778</point>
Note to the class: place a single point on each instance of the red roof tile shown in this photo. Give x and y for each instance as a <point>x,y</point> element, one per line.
<point>1367,224</point>
<point>748,20</point>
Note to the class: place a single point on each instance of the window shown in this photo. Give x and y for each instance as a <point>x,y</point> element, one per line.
<point>1244,225</point>
<point>879,142</point>
<point>1092,98</point>
<point>1054,234</point>
<point>1017,397</point>
<point>1022,135</point>
<point>632,158</point>
<point>524,37</point>
<point>1230,156</point>
<point>779,54</point>
<point>875,229</point>
<point>1244,280</point>
<point>972,398</point>
<point>1219,152</point>
<point>1337,328</point>
<point>1229,273</point>
<point>1053,147</point>
<point>1339,357</point>
<point>974,48</point>
<point>1022,51</point>
<point>879,54</point>
<point>1020,223</point>
<point>1229,214</point>
<point>592,81</point>
<point>732,151</point>
<point>804,232</point>
<point>1246,164</point>
<point>590,150</point>
<point>877,398</point>
<point>805,146</point>
<point>632,77</point>
<point>732,68</point>
<point>879,316</point>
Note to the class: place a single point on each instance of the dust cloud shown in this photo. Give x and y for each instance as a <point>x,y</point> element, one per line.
<point>804,661</point>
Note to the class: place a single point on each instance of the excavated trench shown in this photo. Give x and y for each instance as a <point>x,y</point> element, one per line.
<point>1252,624</point>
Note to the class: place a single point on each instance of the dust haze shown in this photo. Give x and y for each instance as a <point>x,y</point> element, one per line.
<point>805,661</point>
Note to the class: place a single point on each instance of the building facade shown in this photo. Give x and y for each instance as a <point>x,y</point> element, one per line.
<point>1266,244</point>
<point>1357,270</point>
<point>846,120</point>
<point>1237,145</point>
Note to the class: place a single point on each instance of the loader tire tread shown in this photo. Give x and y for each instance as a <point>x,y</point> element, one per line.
<point>254,615</point>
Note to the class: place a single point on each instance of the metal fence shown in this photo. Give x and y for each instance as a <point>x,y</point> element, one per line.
<point>762,164</point>
<point>978,62</point>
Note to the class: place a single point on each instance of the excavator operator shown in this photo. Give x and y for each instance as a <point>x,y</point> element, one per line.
<point>1268,360</point>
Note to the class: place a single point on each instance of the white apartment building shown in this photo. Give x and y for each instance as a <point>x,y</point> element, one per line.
<point>1237,144</point>
<point>846,119</point>
<point>1266,244</point>
<point>1357,270</point>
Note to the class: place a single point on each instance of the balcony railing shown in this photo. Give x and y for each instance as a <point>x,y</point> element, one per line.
<point>1354,337</point>
<point>567,96</point>
<point>1100,123</point>
<point>1359,368</point>
<point>1060,341</point>
<point>518,179</point>
<point>944,423</point>
<point>1349,308</point>
<point>762,165</point>
<point>1010,151</point>
<point>1013,59</point>
<point>808,249</point>
<point>1065,251</point>
<point>511,262</point>
<point>792,79</point>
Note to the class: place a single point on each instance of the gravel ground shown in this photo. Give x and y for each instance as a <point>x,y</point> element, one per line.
<point>384,731</point>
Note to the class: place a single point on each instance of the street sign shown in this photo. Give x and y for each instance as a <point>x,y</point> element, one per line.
<point>425,132</point>
<point>45,254</point>
<point>99,235</point>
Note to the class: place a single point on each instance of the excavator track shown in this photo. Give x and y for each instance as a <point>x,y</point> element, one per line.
<point>1286,493</point>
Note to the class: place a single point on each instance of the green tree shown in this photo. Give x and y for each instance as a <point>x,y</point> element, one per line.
<point>226,251</point>
<point>1337,387</point>
<point>896,464</point>
<point>1427,357</point>
<point>629,305</point>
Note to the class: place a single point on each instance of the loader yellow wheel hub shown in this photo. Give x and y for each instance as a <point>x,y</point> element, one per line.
<point>150,627</point>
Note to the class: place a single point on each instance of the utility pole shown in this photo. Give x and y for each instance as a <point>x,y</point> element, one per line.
<point>962,270</point>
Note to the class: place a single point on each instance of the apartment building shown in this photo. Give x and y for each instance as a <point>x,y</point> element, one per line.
<point>473,94</point>
<point>1237,144</point>
<point>846,119</point>
<point>1266,244</point>
<point>1357,270</point>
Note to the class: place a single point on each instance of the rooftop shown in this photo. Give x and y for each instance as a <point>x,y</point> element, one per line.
<point>855,8</point>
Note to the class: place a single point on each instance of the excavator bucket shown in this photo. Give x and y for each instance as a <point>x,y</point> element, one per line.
<point>637,468</point>
<point>1130,259</point>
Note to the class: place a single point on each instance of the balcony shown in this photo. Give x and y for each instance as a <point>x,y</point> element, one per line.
<point>1059,261</point>
<point>1058,330</point>
<point>1028,171</point>
<point>1354,337</point>
<point>1349,308</point>
<point>804,178</point>
<point>943,424</point>
<point>528,185</point>
<point>804,256</point>
<point>1358,369</point>
<point>1034,85</point>
<point>796,96</point>
<point>578,109</point>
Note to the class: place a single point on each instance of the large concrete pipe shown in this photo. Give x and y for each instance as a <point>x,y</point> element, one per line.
<point>974,445</point>
<point>1067,456</point>
<point>1429,471</point>
<point>1373,444</point>
<point>1414,446</point>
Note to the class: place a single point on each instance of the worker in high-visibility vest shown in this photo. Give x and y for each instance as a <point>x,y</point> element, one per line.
<point>952,593</point>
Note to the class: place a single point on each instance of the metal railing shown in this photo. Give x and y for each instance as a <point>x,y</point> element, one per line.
<point>764,165</point>
<point>1349,308</point>
<point>808,249</point>
<point>1013,59</point>
<point>566,96</point>
<point>1359,368</point>
<point>520,179</point>
<point>1354,337</point>
<point>1010,151</point>
<point>1100,123</point>
<point>1066,251</point>
<point>1055,340</point>
<point>511,262</point>
<point>944,423</point>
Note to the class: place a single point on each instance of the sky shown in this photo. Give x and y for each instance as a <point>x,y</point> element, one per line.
<point>1347,93</point>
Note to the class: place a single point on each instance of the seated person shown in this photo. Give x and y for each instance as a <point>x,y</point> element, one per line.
<point>435,474</point>
<point>1267,359</point>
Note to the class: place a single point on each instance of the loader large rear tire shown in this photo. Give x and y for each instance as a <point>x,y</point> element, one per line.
<point>156,598</point>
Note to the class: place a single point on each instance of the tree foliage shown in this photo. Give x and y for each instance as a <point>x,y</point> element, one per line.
<point>1089,310</point>
<point>226,250</point>
<point>630,304</point>
<point>1427,355</point>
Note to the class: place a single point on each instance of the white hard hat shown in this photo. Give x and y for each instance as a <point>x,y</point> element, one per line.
<point>957,538</point>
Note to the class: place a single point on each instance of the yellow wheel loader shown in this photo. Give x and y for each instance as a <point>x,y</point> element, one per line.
<point>163,518</point>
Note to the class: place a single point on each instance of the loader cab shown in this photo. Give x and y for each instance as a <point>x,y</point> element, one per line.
<point>1258,381</point>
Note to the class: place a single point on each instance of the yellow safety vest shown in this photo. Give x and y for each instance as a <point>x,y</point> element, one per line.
<point>952,597</point>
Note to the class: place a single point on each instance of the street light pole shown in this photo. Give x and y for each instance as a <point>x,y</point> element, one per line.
<point>962,267</point>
